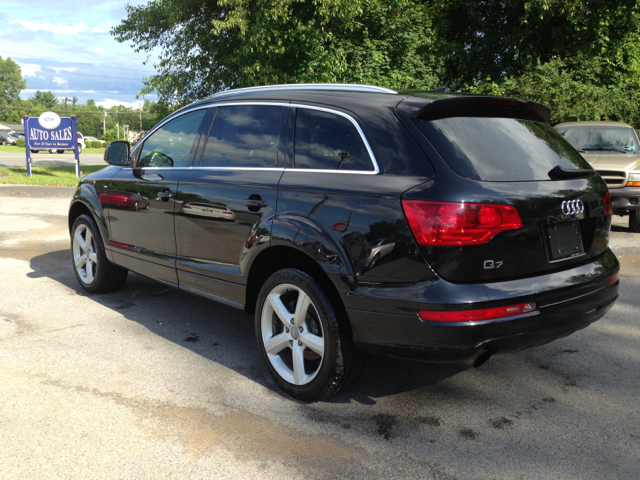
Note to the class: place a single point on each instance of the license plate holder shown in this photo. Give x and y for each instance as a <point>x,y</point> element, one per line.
<point>564,240</point>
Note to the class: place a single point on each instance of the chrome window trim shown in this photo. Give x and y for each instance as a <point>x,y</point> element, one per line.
<point>375,171</point>
<point>353,87</point>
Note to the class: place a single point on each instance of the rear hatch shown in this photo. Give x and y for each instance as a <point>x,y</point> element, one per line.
<point>510,197</point>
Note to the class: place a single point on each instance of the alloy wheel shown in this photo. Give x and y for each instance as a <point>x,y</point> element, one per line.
<point>292,334</point>
<point>85,256</point>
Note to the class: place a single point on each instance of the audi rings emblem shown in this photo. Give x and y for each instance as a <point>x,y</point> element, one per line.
<point>572,207</point>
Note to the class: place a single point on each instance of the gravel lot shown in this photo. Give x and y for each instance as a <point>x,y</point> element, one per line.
<point>151,382</point>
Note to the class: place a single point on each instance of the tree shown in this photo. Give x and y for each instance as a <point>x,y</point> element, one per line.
<point>210,46</point>
<point>11,84</point>
<point>574,90</point>
<point>46,100</point>
<point>505,38</point>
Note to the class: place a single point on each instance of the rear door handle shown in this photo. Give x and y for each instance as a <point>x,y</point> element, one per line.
<point>255,203</point>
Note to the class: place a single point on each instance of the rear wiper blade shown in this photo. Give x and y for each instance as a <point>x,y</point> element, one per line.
<point>561,173</point>
<point>607,149</point>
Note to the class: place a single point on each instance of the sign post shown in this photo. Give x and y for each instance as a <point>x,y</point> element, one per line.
<point>49,131</point>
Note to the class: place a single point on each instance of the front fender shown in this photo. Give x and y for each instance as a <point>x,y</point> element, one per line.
<point>86,198</point>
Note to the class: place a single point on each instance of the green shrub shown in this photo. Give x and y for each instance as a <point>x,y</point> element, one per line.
<point>96,144</point>
<point>20,142</point>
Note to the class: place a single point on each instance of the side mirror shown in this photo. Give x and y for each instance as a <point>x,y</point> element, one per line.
<point>117,153</point>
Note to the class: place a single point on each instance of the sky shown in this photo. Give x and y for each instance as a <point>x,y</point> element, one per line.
<point>66,47</point>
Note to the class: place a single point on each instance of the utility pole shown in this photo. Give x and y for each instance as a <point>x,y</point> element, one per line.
<point>117,127</point>
<point>104,123</point>
<point>141,117</point>
<point>66,110</point>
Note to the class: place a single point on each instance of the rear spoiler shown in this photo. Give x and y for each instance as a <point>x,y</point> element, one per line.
<point>483,106</point>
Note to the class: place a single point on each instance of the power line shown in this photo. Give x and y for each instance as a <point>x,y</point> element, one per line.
<point>58,59</point>
<point>50,69</point>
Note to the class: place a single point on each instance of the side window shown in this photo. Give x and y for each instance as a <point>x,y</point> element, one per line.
<point>329,142</point>
<point>170,145</point>
<point>244,136</point>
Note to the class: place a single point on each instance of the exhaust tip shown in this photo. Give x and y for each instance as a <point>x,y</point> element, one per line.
<point>482,359</point>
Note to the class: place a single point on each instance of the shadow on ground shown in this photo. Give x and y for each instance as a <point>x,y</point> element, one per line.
<point>225,335</point>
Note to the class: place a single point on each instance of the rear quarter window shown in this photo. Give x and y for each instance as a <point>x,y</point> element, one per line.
<point>500,149</point>
<point>326,141</point>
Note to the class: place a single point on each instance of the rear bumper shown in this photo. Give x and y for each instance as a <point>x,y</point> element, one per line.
<point>625,198</point>
<point>562,311</point>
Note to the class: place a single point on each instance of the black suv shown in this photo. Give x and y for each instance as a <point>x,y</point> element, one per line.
<point>353,218</point>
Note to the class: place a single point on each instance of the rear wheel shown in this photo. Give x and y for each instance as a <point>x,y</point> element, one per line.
<point>634,220</point>
<point>303,339</point>
<point>93,270</point>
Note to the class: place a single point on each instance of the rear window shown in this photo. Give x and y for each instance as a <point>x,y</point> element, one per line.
<point>500,149</point>
<point>600,138</point>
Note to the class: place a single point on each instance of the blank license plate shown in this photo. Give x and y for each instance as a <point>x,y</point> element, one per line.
<point>565,240</point>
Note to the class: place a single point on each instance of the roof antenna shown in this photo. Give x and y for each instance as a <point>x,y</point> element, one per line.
<point>444,89</point>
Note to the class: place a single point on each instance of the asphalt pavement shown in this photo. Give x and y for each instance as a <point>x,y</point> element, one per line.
<point>19,159</point>
<point>151,382</point>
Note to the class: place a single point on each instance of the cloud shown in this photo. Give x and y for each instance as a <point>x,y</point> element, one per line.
<point>108,103</point>
<point>61,82</point>
<point>64,28</point>
<point>57,69</point>
<point>29,69</point>
<point>89,91</point>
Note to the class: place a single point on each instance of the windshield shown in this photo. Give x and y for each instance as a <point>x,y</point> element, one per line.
<point>601,138</point>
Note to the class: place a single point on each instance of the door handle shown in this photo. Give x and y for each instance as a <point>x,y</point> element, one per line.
<point>255,203</point>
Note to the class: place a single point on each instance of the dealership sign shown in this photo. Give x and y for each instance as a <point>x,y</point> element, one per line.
<point>50,132</point>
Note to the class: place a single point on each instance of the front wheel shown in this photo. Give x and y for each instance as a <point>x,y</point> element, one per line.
<point>93,270</point>
<point>303,338</point>
<point>634,220</point>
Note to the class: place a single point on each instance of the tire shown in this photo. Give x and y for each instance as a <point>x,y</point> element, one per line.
<point>315,360</point>
<point>60,151</point>
<point>95,273</point>
<point>79,149</point>
<point>634,220</point>
<point>4,142</point>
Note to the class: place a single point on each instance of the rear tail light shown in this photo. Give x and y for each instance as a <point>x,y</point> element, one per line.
<point>614,279</point>
<point>452,224</point>
<point>606,208</point>
<point>478,314</point>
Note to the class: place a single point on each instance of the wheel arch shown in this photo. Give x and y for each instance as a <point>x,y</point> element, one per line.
<point>86,202</point>
<point>280,257</point>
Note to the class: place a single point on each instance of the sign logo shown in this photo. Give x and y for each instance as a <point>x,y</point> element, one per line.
<point>49,120</point>
<point>572,207</point>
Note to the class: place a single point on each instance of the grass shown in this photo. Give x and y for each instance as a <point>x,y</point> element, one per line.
<point>52,175</point>
<point>14,149</point>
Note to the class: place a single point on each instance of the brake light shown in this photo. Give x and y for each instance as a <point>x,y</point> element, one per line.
<point>477,315</point>
<point>606,207</point>
<point>614,279</point>
<point>452,224</point>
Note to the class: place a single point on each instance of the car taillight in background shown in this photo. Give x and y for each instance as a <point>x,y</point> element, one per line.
<point>478,314</point>
<point>456,224</point>
<point>606,207</point>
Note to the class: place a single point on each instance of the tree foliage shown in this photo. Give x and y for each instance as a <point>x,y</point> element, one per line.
<point>11,84</point>
<point>210,46</point>
<point>574,89</point>
<point>506,38</point>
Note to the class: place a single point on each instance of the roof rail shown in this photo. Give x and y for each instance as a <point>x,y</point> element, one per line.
<point>307,86</point>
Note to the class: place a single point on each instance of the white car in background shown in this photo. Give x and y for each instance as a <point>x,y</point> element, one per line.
<point>81,146</point>
<point>93,139</point>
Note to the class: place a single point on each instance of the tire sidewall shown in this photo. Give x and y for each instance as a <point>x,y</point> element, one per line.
<point>331,362</point>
